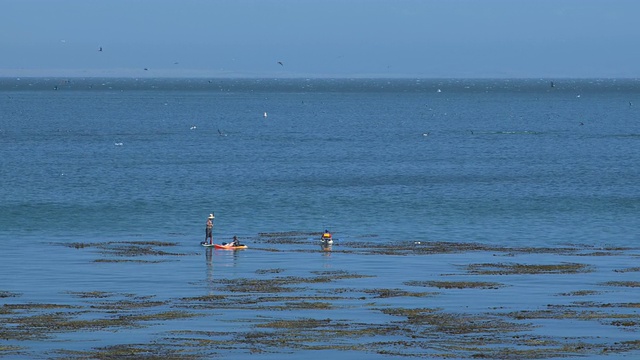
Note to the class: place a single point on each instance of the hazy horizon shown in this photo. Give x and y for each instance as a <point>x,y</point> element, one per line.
<point>320,39</point>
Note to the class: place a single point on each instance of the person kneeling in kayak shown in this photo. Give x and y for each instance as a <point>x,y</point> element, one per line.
<point>235,241</point>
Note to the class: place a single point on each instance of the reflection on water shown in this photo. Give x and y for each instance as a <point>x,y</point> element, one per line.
<point>209,259</point>
<point>326,249</point>
<point>221,258</point>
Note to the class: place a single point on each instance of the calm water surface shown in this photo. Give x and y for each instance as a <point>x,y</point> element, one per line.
<point>502,163</point>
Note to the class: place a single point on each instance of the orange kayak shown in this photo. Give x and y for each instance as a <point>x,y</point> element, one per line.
<point>229,247</point>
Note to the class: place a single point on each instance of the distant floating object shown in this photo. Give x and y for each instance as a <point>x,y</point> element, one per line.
<point>193,127</point>
<point>552,84</point>
<point>100,48</point>
<point>118,144</point>
<point>221,133</point>
<point>578,95</point>
<point>581,123</point>
<point>439,91</point>
<point>425,134</point>
<point>146,69</point>
<point>280,62</point>
<point>264,115</point>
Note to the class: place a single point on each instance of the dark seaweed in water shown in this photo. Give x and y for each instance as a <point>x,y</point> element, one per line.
<point>511,269</point>
<point>129,251</point>
<point>283,313</point>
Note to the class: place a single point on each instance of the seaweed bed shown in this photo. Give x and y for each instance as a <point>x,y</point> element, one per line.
<point>319,321</point>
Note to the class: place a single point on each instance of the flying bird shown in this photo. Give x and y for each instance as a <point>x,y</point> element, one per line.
<point>280,62</point>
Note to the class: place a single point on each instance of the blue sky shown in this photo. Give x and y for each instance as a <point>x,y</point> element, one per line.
<point>321,38</point>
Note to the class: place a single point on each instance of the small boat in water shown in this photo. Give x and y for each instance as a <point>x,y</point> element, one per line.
<point>229,246</point>
<point>234,245</point>
<point>327,238</point>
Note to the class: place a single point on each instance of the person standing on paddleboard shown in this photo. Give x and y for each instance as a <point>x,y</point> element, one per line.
<point>209,230</point>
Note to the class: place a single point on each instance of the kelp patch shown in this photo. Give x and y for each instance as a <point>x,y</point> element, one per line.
<point>129,251</point>
<point>533,269</point>
<point>153,351</point>
<point>387,293</point>
<point>33,321</point>
<point>632,284</point>
<point>290,237</point>
<point>7,294</point>
<point>456,284</point>
<point>280,309</point>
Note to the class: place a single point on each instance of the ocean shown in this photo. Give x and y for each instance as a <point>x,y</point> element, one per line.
<point>514,204</point>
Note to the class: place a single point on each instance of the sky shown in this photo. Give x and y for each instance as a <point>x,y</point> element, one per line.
<point>321,38</point>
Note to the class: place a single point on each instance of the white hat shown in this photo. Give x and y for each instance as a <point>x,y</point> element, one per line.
<point>211,216</point>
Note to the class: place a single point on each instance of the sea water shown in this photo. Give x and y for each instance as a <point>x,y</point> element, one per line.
<point>512,163</point>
